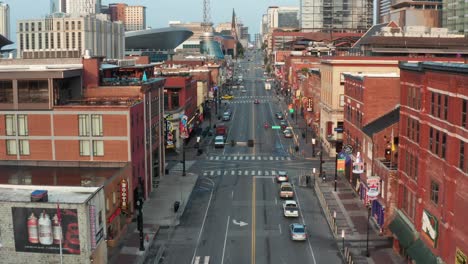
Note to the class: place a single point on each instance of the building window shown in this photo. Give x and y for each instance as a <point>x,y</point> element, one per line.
<point>23,125</point>
<point>24,147</point>
<point>446,106</point>
<point>83,125</point>
<point>10,125</point>
<point>431,138</point>
<point>432,104</point>
<point>435,192</point>
<point>98,148</point>
<point>409,202</point>
<point>84,148</point>
<point>437,142</point>
<point>342,101</point>
<point>464,110</point>
<point>443,146</point>
<point>11,147</point>
<point>462,162</point>
<point>97,125</point>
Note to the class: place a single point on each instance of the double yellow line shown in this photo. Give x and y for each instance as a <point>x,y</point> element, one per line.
<point>252,260</point>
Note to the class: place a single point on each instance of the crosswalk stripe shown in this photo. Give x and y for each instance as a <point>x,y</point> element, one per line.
<point>252,173</point>
<point>219,173</point>
<point>246,172</point>
<point>228,158</point>
<point>271,158</point>
<point>277,158</point>
<point>232,173</point>
<point>288,158</point>
<point>212,173</point>
<point>273,172</point>
<point>211,158</point>
<point>241,158</point>
<point>217,158</point>
<point>259,172</point>
<point>239,172</point>
<point>225,172</point>
<point>266,173</point>
<point>205,173</point>
<point>235,157</point>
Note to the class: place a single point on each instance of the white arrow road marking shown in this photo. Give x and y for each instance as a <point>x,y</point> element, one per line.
<point>240,223</point>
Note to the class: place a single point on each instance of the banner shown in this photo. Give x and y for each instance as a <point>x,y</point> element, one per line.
<point>38,230</point>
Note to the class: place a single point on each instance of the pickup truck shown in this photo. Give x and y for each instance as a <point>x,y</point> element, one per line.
<point>290,208</point>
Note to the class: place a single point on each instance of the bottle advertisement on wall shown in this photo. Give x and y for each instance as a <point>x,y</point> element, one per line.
<point>40,230</point>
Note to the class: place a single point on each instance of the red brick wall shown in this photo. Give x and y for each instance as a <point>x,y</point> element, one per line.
<point>39,125</point>
<point>114,150</point>
<point>381,96</point>
<point>115,125</point>
<point>69,150</point>
<point>91,72</point>
<point>40,150</point>
<point>65,125</point>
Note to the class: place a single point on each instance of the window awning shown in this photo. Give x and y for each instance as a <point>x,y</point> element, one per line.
<point>421,253</point>
<point>403,230</point>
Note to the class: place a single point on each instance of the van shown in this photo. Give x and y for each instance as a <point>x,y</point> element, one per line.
<point>286,190</point>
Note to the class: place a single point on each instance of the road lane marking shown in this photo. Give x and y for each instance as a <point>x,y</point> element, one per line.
<point>276,200</point>
<point>204,220</point>
<point>211,173</point>
<point>232,194</point>
<point>225,238</point>
<point>279,225</point>
<point>252,254</point>
<point>303,222</point>
<point>232,172</point>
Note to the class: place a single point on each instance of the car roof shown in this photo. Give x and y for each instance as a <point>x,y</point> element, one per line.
<point>219,137</point>
<point>290,202</point>
<point>285,184</point>
<point>297,225</point>
<point>282,173</point>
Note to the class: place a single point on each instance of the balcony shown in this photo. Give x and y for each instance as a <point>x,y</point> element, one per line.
<point>390,165</point>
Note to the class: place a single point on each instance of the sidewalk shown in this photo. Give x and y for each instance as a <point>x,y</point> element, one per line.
<point>351,214</point>
<point>158,211</point>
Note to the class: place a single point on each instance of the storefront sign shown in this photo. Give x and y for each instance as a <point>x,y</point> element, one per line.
<point>183,127</point>
<point>430,226</point>
<point>340,164</point>
<point>92,221</point>
<point>124,194</point>
<point>348,149</point>
<point>460,257</point>
<point>373,187</point>
<point>358,165</point>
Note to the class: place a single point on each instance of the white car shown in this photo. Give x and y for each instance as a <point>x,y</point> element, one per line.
<point>219,142</point>
<point>290,208</point>
<point>282,176</point>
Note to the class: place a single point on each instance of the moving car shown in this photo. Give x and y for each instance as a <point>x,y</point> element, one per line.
<point>226,116</point>
<point>219,142</point>
<point>298,232</point>
<point>290,208</point>
<point>282,176</point>
<point>227,97</point>
<point>286,190</point>
<point>279,115</point>
<point>288,133</point>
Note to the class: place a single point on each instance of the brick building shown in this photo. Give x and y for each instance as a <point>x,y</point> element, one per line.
<point>370,100</point>
<point>71,115</point>
<point>433,143</point>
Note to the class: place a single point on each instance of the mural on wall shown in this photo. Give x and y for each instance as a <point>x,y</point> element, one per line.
<point>41,230</point>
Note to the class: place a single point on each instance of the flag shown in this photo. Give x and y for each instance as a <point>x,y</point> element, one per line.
<point>392,142</point>
<point>59,215</point>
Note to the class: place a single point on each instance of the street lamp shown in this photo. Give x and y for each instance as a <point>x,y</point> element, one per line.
<point>342,237</point>
<point>368,227</point>
<point>313,147</point>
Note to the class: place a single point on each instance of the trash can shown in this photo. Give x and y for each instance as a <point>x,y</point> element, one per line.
<point>176,206</point>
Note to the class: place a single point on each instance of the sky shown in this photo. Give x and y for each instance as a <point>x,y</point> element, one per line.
<point>160,12</point>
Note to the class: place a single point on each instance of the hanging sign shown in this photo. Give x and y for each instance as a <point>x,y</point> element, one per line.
<point>430,226</point>
<point>123,194</point>
<point>358,165</point>
<point>373,187</point>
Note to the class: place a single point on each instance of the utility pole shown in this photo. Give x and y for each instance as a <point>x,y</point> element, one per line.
<point>183,157</point>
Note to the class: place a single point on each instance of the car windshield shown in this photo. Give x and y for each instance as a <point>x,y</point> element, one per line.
<point>299,230</point>
<point>286,189</point>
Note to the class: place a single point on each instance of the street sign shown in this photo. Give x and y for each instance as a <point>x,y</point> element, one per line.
<point>348,149</point>
<point>338,129</point>
<point>275,127</point>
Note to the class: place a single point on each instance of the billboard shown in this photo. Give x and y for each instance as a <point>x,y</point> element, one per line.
<point>39,230</point>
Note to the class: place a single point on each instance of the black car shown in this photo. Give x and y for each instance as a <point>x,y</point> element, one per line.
<point>283,124</point>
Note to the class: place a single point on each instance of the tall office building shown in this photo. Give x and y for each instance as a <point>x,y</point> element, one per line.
<point>69,37</point>
<point>5,20</point>
<point>117,12</point>
<point>454,16</point>
<point>83,7</point>
<point>57,6</point>
<point>135,18</point>
<point>284,17</point>
<point>336,15</point>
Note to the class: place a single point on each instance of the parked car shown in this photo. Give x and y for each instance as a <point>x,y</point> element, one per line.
<point>283,124</point>
<point>282,176</point>
<point>298,232</point>
<point>286,190</point>
<point>288,133</point>
<point>290,208</point>
<point>279,115</point>
<point>219,142</point>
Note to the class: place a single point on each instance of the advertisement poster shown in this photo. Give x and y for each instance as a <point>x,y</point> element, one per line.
<point>39,230</point>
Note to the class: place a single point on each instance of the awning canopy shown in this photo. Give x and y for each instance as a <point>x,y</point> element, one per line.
<point>403,230</point>
<point>419,252</point>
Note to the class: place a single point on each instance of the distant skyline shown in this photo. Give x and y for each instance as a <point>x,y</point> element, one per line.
<point>161,12</point>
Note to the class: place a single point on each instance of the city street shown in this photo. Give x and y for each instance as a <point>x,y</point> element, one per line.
<point>235,214</point>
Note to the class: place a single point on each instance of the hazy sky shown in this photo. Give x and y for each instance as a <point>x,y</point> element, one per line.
<point>160,12</point>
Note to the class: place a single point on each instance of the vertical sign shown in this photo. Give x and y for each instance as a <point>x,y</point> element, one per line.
<point>123,195</point>
<point>340,163</point>
<point>92,220</point>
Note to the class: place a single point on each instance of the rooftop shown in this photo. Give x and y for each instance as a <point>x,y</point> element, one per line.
<point>66,195</point>
<point>361,76</point>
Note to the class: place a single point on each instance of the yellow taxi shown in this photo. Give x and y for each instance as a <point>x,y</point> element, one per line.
<point>227,97</point>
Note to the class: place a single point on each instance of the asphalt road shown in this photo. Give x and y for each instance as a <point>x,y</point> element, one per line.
<point>235,213</point>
